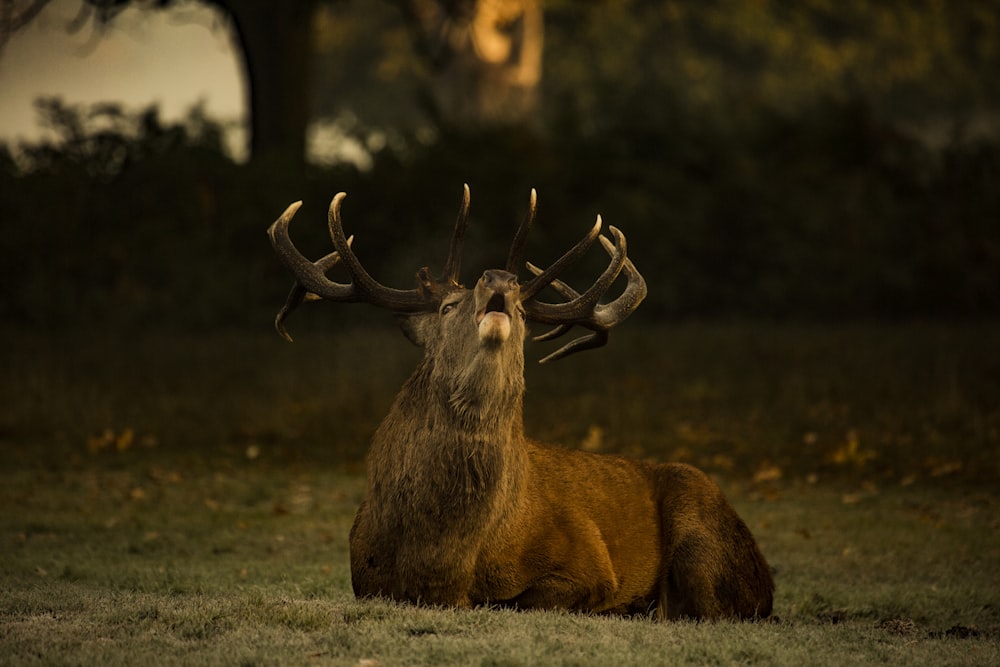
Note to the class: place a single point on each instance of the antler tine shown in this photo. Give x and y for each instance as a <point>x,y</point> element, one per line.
<point>453,265</point>
<point>310,276</point>
<point>610,314</point>
<point>545,278</point>
<point>517,245</point>
<point>363,286</point>
<point>588,342</point>
<point>600,318</point>
<point>597,339</point>
<point>300,294</point>
<point>580,306</point>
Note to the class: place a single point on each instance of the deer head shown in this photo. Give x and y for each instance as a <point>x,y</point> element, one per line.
<point>441,309</point>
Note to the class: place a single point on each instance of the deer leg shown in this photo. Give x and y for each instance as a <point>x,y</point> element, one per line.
<point>573,573</point>
<point>369,564</point>
<point>557,592</point>
<point>712,567</point>
<point>424,574</point>
<point>689,588</point>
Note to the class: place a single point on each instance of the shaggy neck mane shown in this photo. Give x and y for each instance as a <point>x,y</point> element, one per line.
<point>485,397</point>
<point>451,447</point>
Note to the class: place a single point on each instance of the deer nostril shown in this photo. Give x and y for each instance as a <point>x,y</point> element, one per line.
<point>499,280</point>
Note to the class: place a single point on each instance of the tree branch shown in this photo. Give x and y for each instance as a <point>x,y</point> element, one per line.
<point>12,19</point>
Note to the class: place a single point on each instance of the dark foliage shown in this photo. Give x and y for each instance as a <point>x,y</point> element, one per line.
<point>833,213</point>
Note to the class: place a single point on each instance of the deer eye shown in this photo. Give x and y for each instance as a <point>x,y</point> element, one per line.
<point>448,307</point>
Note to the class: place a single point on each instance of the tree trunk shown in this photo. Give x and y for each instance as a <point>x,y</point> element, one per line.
<point>276,42</point>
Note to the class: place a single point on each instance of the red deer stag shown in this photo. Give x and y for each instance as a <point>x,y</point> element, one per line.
<point>463,509</point>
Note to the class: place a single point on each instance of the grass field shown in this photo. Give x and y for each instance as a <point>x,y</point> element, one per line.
<point>186,499</point>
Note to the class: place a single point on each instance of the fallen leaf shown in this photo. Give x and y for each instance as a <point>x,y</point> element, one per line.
<point>942,468</point>
<point>96,443</point>
<point>723,462</point>
<point>593,440</point>
<point>850,452</point>
<point>767,473</point>
<point>867,490</point>
<point>124,439</point>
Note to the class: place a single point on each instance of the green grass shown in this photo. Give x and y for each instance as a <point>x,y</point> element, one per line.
<point>217,531</point>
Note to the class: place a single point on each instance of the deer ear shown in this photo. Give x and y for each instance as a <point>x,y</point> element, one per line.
<point>413,327</point>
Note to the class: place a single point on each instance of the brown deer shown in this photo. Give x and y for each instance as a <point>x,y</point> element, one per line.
<point>463,509</point>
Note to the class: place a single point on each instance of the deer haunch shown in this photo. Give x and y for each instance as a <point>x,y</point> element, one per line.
<point>462,509</point>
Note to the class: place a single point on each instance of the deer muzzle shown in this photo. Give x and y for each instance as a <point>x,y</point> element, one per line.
<point>496,297</point>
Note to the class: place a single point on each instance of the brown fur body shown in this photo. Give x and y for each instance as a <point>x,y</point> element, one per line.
<point>462,509</point>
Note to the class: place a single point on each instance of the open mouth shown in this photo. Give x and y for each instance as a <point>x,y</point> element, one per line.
<point>497,304</point>
<point>493,319</point>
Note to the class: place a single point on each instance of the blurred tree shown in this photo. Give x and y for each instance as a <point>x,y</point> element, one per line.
<point>462,63</point>
<point>480,61</point>
<point>485,55</point>
<point>276,45</point>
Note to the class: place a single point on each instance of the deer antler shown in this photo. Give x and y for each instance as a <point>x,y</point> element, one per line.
<point>312,284</point>
<point>578,310</point>
<point>454,262</point>
<point>311,281</point>
<point>517,246</point>
<point>583,309</point>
